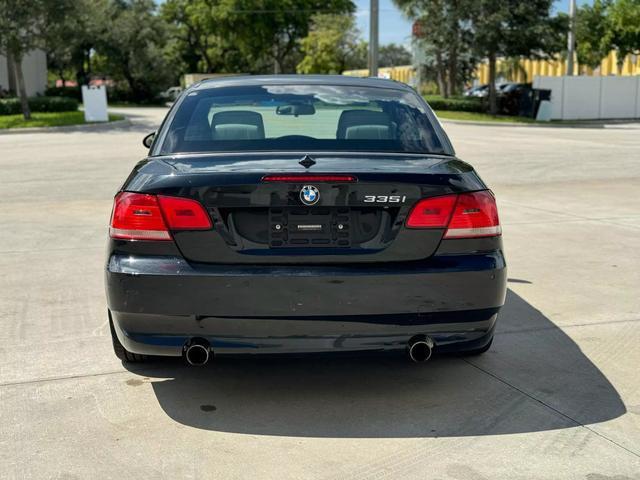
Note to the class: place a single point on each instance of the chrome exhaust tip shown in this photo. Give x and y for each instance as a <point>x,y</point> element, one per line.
<point>197,352</point>
<point>420,349</point>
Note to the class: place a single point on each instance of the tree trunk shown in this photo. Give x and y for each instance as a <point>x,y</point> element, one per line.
<point>276,63</point>
<point>89,66</point>
<point>440,72</point>
<point>133,87</point>
<point>207,60</point>
<point>22,91</point>
<point>82,75</point>
<point>453,72</point>
<point>493,105</point>
<point>13,90</point>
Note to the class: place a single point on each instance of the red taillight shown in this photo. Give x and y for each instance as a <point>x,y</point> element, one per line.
<point>432,212</point>
<point>139,216</point>
<point>475,215</point>
<point>184,213</point>
<point>468,215</point>
<point>309,178</point>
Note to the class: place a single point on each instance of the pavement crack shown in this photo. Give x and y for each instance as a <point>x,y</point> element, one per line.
<point>571,325</point>
<point>550,407</point>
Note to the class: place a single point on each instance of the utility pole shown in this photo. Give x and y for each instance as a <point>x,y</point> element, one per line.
<point>571,38</point>
<point>373,38</point>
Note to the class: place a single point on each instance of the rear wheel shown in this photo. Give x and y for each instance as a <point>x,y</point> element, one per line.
<point>478,351</point>
<point>121,352</point>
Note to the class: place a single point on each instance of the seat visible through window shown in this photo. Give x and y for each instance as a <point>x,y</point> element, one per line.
<point>237,125</point>
<point>364,125</point>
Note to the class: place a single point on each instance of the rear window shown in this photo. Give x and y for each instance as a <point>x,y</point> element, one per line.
<point>302,117</point>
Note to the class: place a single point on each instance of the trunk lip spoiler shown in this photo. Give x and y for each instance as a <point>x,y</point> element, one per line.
<point>297,153</point>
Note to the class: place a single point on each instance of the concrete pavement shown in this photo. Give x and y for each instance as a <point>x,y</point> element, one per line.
<point>558,395</point>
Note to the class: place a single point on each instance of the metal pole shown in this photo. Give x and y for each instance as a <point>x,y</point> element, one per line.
<point>571,38</point>
<point>373,38</point>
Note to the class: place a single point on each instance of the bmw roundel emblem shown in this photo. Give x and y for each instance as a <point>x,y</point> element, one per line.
<point>309,195</point>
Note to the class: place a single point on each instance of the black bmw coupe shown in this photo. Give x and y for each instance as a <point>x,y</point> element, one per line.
<point>302,214</point>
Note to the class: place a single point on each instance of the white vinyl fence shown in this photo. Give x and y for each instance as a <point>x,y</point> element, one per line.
<point>592,98</point>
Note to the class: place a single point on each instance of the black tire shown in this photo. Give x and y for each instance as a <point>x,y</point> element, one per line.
<point>478,351</point>
<point>121,352</point>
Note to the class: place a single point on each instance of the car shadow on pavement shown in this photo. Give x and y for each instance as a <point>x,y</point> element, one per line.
<point>534,378</point>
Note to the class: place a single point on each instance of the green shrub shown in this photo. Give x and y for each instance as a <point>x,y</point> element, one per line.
<point>122,94</point>
<point>68,92</point>
<point>11,106</point>
<point>53,104</point>
<point>456,104</point>
<point>428,88</point>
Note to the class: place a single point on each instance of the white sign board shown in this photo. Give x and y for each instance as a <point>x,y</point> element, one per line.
<point>95,104</point>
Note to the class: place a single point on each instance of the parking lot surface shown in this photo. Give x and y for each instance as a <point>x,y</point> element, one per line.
<point>558,395</point>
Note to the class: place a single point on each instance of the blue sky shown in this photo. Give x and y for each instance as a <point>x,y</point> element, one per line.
<point>394,28</point>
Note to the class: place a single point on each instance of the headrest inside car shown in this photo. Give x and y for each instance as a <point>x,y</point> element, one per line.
<point>364,125</point>
<point>237,125</point>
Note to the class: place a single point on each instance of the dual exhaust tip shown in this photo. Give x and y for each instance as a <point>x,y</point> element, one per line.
<point>198,351</point>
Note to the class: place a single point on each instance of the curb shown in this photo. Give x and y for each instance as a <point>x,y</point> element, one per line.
<point>68,128</point>
<point>585,125</point>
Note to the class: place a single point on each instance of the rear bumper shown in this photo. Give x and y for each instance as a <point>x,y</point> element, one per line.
<point>159,303</point>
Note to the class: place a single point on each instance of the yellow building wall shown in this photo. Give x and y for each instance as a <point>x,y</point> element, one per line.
<point>403,73</point>
<point>528,67</point>
<point>558,67</point>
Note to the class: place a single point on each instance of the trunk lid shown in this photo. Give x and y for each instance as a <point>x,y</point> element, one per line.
<point>259,221</point>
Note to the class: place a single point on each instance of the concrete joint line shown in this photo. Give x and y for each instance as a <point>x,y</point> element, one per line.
<point>564,415</point>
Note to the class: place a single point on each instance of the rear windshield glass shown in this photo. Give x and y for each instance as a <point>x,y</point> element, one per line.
<point>307,117</point>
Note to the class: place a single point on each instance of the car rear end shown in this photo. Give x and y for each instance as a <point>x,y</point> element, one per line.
<point>289,252</point>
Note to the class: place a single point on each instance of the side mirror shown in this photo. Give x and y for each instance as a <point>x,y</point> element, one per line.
<point>148,140</point>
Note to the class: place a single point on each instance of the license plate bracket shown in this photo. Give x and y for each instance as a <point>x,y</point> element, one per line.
<point>310,227</point>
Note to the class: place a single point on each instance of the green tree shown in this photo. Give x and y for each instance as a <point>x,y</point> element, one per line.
<point>203,38</point>
<point>130,47</point>
<point>272,29</point>
<point>245,35</point>
<point>393,55</point>
<point>70,42</point>
<point>455,32</point>
<point>623,28</point>
<point>511,28</point>
<point>592,42</point>
<point>332,45</point>
<point>445,38</point>
<point>23,24</point>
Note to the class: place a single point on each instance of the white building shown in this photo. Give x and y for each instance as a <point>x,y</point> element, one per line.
<point>34,69</point>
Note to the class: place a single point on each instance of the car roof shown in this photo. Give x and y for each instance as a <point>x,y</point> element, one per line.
<point>258,80</point>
